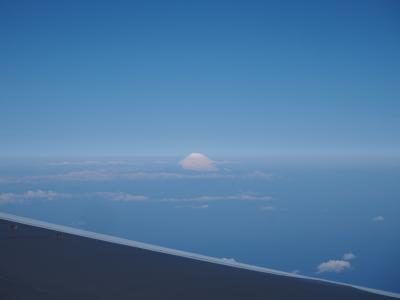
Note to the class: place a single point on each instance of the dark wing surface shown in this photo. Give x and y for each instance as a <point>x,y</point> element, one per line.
<point>44,261</point>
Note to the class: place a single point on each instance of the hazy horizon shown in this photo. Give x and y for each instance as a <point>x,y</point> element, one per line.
<point>261,131</point>
<point>327,220</point>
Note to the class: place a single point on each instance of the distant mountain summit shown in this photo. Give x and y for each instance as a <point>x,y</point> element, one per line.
<point>198,162</point>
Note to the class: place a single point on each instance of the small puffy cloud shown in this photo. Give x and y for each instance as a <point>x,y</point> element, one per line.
<point>124,197</point>
<point>378,219</point>
<point>198,162</point>
<point>348,256</point>
<point>333,266</point>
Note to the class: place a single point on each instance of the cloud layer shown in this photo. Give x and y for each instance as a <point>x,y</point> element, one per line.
<point>128,197</point>
<point>124,197</point>
<point>203,206</point>
<point>105,175</point>
<point>207,198</point>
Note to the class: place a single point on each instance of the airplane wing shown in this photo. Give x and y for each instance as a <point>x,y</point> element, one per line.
<point>44,261</point>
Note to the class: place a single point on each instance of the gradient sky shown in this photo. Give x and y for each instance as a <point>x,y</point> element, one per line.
<point>220,77</point>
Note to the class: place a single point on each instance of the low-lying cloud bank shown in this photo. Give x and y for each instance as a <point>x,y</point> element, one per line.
<point>207,198</point>
<point>106,175</point>
<point>203,206</point>
<point>127,197</point>
<point>6,198</point>
<point>124,197</point>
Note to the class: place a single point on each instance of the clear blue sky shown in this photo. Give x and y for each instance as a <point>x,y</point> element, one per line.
<point>220,77</point>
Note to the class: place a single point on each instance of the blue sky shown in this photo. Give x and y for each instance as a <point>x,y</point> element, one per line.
<point>235,78</point>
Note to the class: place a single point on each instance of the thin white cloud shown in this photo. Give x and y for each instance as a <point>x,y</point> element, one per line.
<point>348,256</point>
<point>198,162</point>
<point>204,206</point>
<point>111,175</point>
<point>378,219</point>
<point>4,179</point>
<point>103,175</point>
<point>336,266</point>
<point>207,198</point>
<point>119,196</point>
<point>124,197</point>
<point>29,195</point>
<point>39,194</point>
<point>8,198</point>
<point>241,197</point>
<point>84,175</point>
<point>151,175</point>
<point>89,163</point>
<point>128,197</point>
<point>295,272</point>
